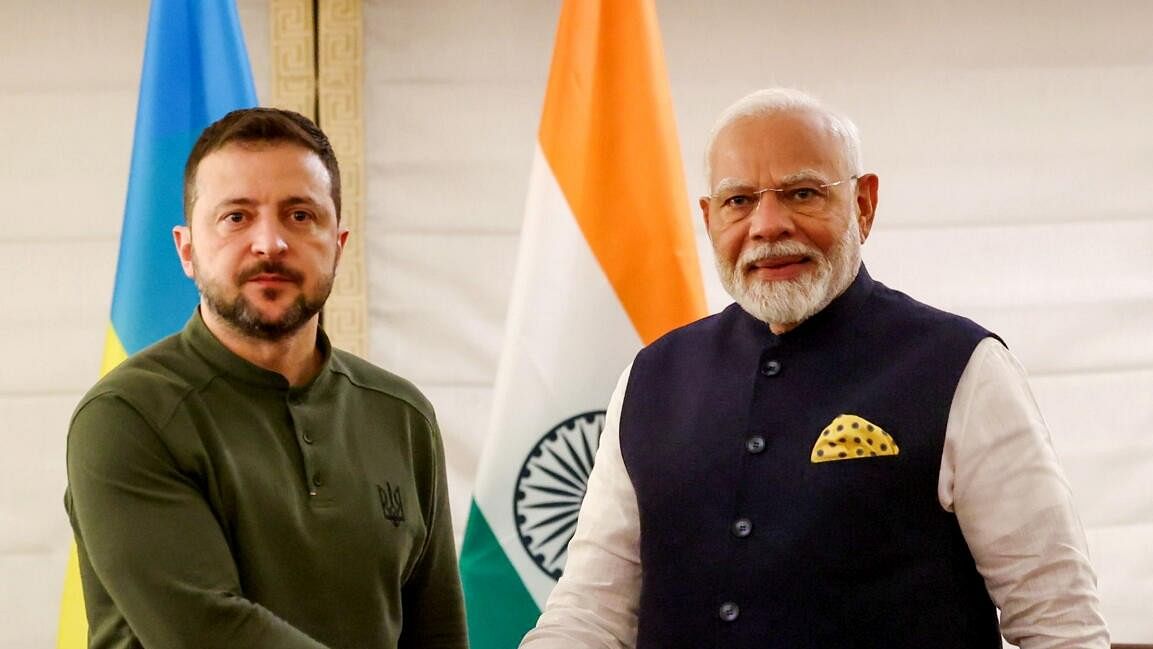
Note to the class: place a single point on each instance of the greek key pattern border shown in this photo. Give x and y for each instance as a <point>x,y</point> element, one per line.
<point>293,41</point>
<point>318,71</point>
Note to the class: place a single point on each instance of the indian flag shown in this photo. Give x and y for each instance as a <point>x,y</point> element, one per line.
<point>195,70</point>
<point>607,263</point>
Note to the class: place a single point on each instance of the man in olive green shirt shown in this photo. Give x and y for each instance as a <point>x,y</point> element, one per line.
<point>242,483</point>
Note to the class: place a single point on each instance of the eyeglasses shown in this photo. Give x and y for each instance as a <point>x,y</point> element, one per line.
<point>803,197</point>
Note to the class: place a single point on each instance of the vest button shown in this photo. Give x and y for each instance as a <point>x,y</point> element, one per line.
<point>729,611</point>
<point>306,437</point>
<point>755,444</point>
<point>742,527</point>
<point>771,368</point>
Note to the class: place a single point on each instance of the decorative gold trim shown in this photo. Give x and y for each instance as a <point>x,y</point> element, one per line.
<point>341,114</point>
<point>293,41</point>
<point>329,92</point>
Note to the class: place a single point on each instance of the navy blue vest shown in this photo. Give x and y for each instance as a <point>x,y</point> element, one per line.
<point>744,541</point>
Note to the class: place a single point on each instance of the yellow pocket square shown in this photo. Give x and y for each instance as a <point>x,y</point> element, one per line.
<point>849,437</point>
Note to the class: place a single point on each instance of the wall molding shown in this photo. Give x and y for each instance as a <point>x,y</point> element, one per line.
<point>318,70</point>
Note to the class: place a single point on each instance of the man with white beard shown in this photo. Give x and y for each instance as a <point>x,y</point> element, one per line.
<point>827,462</point>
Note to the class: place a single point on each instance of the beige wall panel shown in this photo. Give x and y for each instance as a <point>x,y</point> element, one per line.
<point>408,119</point>
<point>461,197</point>
<point>56,338</point>
<point>68,280</point>
<point>69,176</point>
<point>990,265</point>
<point>85,46</point>
<point>1121,557</point>
<point>704,43</point>
<point>1062,399</point>
<point>438,318</point>
<point>32,616</point>
<point>1073,338</point>
<point>421,183</point>
<point>32,513</point>
<point>496,42</point>
<point>254,20</point>
<point>1008,151</point>
<point>49,359</point>
<point>35,534</point>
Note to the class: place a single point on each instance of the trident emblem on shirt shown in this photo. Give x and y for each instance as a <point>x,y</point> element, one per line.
<point>391,502</point>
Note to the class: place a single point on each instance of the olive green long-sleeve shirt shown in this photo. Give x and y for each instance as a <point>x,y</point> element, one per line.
<point>215,506</point>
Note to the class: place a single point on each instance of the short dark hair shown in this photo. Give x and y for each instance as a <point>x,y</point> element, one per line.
<point>260,125</point>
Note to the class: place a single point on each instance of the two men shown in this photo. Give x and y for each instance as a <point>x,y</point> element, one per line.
<point>826,463</point>
<point>242,483</point>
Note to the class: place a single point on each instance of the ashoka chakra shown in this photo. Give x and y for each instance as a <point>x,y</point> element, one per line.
<point>550,487</point>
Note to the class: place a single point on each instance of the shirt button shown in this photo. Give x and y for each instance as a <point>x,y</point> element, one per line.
<point>316,481</point>
<point>742,527</point>
<point>771,368</point>
<point>307,438</point>
<point>729,611</point>
<point>755,444</point>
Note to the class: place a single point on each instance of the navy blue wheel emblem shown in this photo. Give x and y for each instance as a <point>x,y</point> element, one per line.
<point>550,487</point>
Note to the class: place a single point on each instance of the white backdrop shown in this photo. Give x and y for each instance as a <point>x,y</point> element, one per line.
<point>1013,142</point>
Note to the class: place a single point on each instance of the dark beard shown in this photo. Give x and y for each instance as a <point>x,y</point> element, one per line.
<point>241,316</point>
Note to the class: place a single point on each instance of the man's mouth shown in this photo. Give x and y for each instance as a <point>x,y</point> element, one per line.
<point>778,268</point>
<point>270,274</point>
<point>779,262</point>
<point>269,278</point>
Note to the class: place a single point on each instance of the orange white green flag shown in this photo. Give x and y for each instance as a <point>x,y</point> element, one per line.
<point>607,263</point>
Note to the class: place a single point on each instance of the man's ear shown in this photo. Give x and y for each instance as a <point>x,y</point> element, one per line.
<point>341,241</point>
<point>704,203</point>
<point>866,203</point>
<point>182,237</point>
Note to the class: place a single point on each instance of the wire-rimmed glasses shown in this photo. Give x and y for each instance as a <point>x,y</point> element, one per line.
<point>803,196</point>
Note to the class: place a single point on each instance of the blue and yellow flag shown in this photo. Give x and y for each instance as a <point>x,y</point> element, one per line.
<point>195,70</point>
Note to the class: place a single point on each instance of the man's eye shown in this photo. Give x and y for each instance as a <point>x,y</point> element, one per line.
<point>234,217</point>
<point>802,194</point>
<point>737,200</point>
<point>301,216</point>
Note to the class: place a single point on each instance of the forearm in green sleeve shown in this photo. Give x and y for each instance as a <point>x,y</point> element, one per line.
<point>153,542</point>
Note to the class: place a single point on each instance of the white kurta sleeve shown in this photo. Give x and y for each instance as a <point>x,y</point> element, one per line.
<point>595,603</point>
<point>1000,475</point>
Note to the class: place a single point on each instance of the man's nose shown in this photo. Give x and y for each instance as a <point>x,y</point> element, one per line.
<point>268,238</point>
<point>770,219</point>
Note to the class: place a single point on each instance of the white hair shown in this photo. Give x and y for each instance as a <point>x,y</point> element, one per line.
<point>773,101</point>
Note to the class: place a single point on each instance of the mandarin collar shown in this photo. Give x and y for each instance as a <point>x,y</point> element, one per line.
<point>197,335</point>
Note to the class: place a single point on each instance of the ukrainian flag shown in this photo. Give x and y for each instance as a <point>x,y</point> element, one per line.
<point>195,70</point>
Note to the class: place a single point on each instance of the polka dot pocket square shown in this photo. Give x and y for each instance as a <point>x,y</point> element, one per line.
<point>849,437</point>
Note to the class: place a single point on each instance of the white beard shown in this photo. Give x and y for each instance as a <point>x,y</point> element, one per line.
<point>790,302</point>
